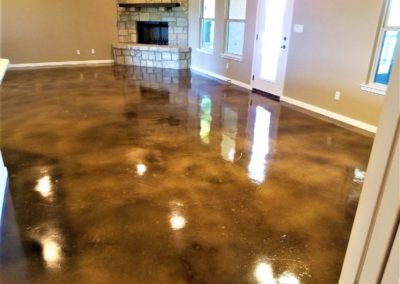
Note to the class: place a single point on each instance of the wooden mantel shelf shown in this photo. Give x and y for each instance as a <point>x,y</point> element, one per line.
<point>128,4</point>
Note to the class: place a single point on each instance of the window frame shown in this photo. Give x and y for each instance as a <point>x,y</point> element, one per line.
<point>226,54</point>
<point>371,85</point>
<point>202,48</point>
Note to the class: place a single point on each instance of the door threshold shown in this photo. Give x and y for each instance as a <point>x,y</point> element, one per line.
<point>267,95</point>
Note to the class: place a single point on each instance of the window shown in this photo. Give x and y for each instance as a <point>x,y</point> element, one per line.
<point>207,24</point>
<point>386,49</point>
<point>235,27</point>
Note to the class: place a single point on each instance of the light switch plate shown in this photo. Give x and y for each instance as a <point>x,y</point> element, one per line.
<point>298,28</point>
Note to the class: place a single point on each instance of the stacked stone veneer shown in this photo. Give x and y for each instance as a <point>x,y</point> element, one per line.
<point>177,19</point>
<point>158,56</point>
<point>176,55</point>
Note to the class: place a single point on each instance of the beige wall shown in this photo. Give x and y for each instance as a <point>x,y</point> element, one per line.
<point>52,30</point>
<point>333,53</point>
<point>238,70</point>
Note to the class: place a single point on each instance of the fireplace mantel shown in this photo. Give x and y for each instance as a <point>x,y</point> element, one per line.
<point>135,4</point>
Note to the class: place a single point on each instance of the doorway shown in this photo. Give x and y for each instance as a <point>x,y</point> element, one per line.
<point>274,22</point>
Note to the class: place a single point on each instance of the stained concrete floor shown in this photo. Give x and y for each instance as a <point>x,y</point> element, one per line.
<point>141,176</point>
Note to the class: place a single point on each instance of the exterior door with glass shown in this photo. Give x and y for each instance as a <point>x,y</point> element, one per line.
<point>274,22</point>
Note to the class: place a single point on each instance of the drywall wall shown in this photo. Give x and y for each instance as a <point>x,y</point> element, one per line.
<point>332,54</point>
<point>49,31</point>
<point>238,70</point>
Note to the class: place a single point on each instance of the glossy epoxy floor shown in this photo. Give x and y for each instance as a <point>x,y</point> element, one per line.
<point>142,176</point>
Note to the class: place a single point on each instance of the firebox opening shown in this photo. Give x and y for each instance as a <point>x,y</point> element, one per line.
<point>150,32</point>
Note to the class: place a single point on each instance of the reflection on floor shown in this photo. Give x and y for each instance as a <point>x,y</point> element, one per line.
<point>147,176</point>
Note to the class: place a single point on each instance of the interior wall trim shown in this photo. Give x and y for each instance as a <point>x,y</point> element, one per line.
<point>61,63</point>
<point>330,114</point>
<point>220,77</point>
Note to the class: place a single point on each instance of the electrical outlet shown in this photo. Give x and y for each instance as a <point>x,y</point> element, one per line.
<point>338,95</point>
<point>78,52</point>
<point>227,65</point>
<point>93,51</point>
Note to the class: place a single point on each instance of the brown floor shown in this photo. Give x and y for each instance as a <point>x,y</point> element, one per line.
<point>128,176</point>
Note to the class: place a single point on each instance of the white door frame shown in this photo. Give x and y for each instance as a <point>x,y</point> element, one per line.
<point>376,220</point>
<point>255,40</point>
<point>255,46</point>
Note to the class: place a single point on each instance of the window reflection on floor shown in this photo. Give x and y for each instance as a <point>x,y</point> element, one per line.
<point>229,133</point>
<point>205,119</point>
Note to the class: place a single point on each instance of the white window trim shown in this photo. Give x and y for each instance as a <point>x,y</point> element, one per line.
<point>371,86</point>
<point>232,56</point>
<point>201,48</point>
<point>374,88</point>
<point>206,50</point>
<point>226,54</point>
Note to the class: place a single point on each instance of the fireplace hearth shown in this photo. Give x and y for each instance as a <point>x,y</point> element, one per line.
<point>150,32</point>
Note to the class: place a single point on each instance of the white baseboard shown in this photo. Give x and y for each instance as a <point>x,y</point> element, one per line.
<point>330,114</point>
<point>220,77</point>
<point>62,63</point>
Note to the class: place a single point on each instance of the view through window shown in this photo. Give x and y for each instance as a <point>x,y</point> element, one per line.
<point>207,24</point>
<point>388,43</point>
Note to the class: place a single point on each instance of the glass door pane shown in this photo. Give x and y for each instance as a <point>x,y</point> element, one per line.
<point>272,39</point>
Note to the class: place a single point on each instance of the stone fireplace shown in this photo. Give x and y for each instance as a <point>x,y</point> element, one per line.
<point>153,33</point>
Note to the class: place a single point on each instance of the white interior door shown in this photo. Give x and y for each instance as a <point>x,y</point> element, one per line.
<point>274,22</point>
